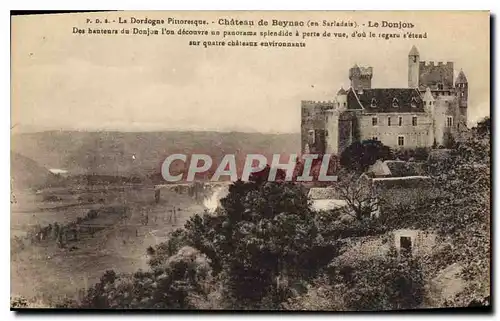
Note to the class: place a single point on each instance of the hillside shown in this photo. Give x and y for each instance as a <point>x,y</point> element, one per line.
<point>140,153</point>
<point>26,173</point>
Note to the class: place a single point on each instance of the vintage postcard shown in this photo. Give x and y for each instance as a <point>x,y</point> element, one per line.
<point>251,160</point>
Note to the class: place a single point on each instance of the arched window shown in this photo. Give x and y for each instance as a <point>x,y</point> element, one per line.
<point>374,103</point>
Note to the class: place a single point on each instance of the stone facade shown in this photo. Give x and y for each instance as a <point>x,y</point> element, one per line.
<point>432,110</point>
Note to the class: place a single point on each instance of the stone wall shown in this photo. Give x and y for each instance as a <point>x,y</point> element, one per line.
<point>414,136</point>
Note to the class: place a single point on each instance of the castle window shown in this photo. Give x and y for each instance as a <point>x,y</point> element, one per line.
<point>312,136</point>
<point>401,140</point>
<point>389,121</point>
<point>440,86</point>
<point>462,94</point>
<point>374,103</point>
<point>345,104</point>
<point>414,121</point>
<point>395,103</point>
<point>374,138</point>
<point>400,120</point>
<point>413,102</point>
<point>449,121</point>
<point>374,121</point>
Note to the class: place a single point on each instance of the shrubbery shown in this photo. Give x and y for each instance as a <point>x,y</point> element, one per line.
<point>266,249</point>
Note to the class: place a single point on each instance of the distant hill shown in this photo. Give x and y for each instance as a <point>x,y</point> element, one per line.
<point>26,173</point>
<point>140,154</point>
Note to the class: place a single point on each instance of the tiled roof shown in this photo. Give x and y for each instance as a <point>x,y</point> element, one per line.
<point>402,168</point>
<point>414,51</point>
<point>386,100</point>
<point>327,204</point>
<point>396,168</point>
<point>322,193</point>
<point>461,79</point>
<point>379,168</point>
<point>342,91</point>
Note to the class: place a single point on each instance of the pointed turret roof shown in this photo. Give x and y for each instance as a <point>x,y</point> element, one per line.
<point>428,95</point>
<point>342,91</point>
<point>461,79</point>
<point>414,52</point>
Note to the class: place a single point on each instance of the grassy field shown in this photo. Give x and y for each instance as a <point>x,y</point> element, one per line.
<point>46,272</point>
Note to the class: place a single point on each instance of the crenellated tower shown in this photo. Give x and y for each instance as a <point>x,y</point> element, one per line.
<point>361,77</point>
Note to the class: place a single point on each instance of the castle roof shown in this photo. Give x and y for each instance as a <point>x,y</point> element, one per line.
<point>414,52</point>
<point>428,95</point>
<point>321,193</point>
<point>461,79</point>
<point>385,100</point>
<point>342,91</point>
<point>396,168</point>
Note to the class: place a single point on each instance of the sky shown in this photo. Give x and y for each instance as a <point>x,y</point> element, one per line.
<point>64,81</point>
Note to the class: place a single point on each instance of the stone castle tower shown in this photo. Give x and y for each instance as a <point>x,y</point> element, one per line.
<point>413,67</point>
<point>361,77</point>
<point>430,111</point>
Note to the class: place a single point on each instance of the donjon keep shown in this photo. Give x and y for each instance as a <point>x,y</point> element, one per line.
<point>430,112</point>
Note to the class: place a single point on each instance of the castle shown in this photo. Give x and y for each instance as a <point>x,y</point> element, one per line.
<point>431,111</point>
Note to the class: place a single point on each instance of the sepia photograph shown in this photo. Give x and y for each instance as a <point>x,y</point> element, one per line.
<point>250,160</point>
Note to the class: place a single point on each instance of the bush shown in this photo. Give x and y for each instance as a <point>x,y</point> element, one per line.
<point>360,155</point>
<point>18,302</point>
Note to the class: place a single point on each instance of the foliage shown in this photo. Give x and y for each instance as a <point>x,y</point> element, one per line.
<point>389,283</point>
<point>483,127</point>
<point>18,302</point>
<point>410,154</point>
<point>373,284</point>
<point>464,211</point>
<point>264,240</point>
<point>266,249</point>
<point>360,155</point>
<point>316,168</point>
<point>357,193</point>
<point>176,284</point>
<point>321,295</point>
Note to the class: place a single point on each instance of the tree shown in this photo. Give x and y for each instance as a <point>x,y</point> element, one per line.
<point>417,154</point>
<point>360,155</point>
<point>357,192</point>
<point>264,240</point>
<point>316,164</point>
<point>483,127</point>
